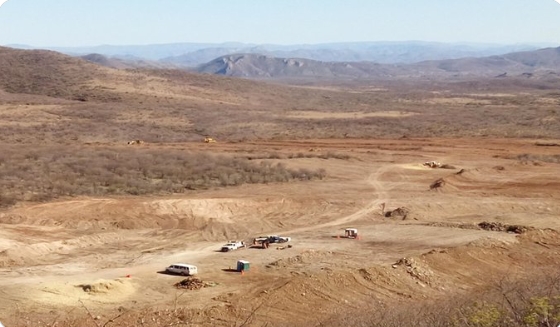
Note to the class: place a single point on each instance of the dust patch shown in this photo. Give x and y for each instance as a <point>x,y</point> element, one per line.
<point>348,115</point>
<point>100,291</point>
<point>458,100</point>
<point>415,167</point>
<point>498,95</point>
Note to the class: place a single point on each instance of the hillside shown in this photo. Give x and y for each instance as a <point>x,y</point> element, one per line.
<point>541,62</point>
<point>260,66</point>
<point>85,102</point>
<point>129,63</point>
<point>44,72</point>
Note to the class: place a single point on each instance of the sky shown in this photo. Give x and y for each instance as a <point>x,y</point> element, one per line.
<point>71,23</point>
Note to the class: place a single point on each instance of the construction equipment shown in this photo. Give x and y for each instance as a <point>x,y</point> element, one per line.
<point>351,233</point>
<point>278,239</point>
<point>262,242</point>
<point>209,140</point>
<point>432,164</point>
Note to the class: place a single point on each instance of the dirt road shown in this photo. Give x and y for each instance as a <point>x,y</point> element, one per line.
<point>50,251</point>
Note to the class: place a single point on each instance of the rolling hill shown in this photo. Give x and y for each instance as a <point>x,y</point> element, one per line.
<point>540,62</point>
<point>50,97</point>
<point>128,63</point>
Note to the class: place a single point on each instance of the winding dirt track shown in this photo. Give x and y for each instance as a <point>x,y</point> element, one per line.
<point>47,251</point>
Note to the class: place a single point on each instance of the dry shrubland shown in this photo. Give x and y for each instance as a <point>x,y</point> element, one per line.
<point>97,104</point>
<point>41,174</point>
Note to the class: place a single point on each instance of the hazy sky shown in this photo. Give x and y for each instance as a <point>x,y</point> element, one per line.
<point>126,22</point>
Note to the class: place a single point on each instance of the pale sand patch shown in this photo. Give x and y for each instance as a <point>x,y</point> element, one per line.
<point>500,95</point>
<point>457,100</point>
<point>547,101</point>
<point>343,89</point>
<point>348,115</point>
<point>100,291</point>
<point>415,166</point>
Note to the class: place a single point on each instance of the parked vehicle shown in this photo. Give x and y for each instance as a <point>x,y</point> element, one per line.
<point>182,269</point>
<point>273,239</point>
<point>233,245</point>
<point>351,233</point>
<point>279,239</point>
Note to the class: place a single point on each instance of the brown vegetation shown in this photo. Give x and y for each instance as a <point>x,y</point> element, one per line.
<point>64,125</point>
<point>45,173</point>
<point>161,106</point>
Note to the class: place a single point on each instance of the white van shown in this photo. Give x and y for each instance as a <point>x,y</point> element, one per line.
<point>182,269</point>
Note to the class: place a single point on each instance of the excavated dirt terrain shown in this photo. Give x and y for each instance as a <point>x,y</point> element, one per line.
<point>99,259</point>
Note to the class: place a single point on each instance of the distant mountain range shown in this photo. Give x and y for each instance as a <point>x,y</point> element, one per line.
<point>194,54</point>
<point>525,64</point>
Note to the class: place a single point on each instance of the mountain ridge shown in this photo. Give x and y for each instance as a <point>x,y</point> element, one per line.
<point>526,63</point>
<point>193,54</point>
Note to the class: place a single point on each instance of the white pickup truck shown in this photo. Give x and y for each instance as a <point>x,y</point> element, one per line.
<point>232,245</point>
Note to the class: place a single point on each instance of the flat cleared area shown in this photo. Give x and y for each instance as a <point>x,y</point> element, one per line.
<point>107,253</point>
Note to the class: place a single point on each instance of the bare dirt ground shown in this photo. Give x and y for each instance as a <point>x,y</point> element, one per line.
<point>96,257</point>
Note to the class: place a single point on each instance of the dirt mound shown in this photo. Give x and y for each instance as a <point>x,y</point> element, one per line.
<point>103,286</point>
<point>467,179</point>
<point>67,293</point>
<point>192,283</point>
<point>210,214</point>
<point>400,212</point>
<point>453,225</point>
<point>489,226</point>
<point>499,227</point>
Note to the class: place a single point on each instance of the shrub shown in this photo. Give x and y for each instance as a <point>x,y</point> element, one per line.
<point>43,174</point>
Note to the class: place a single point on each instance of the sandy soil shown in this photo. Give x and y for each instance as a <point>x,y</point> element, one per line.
<point>108,253</point>
<point>302,114</point>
